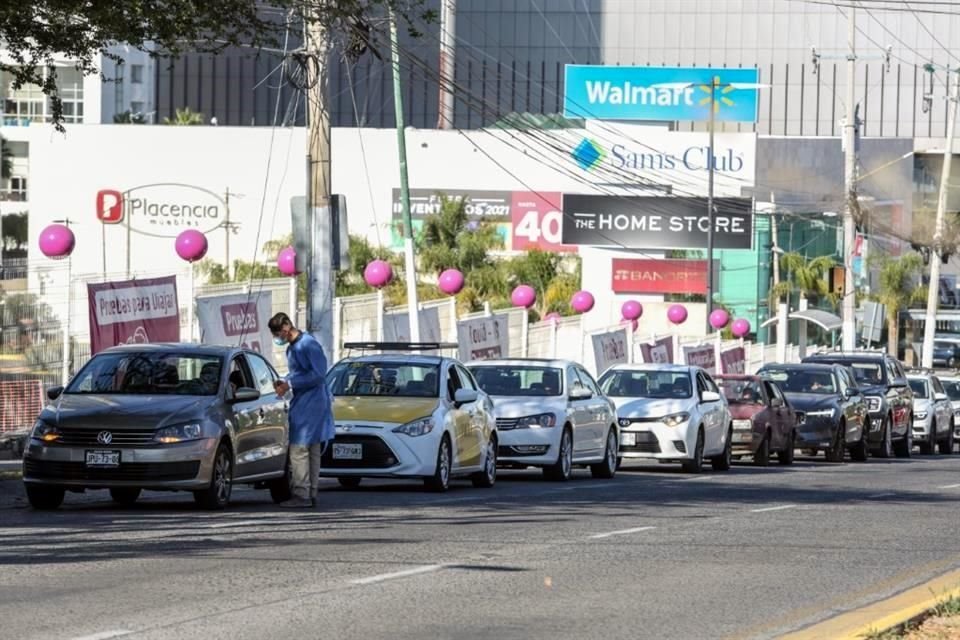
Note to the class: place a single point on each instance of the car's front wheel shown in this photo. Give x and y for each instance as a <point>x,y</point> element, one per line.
<point>838,447</point>
<point>786,455</point>
<point>563,467</point>
<point>904,448</point>
<point>486,478</point>
<point>440,480</point>
<point>126,496</point>
<point>946,446</point>
<point>724,461</point>
<point>886,439</point>
<point>281,489</point>
<point>44,497</point>
<point>695,465</point>
<point>217,494</point>
<point>761,457</point>
<point>929,447</point>
<point>860,451</point>
<point>608,467</point>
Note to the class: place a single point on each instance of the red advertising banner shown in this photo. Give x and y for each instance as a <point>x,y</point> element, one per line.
<point>632,275</point>
<point>537,220</point>
<point>660,352</point>
<point>133,311</point>
<point>734,360</point>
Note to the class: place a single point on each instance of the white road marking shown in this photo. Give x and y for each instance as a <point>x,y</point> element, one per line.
<point>620,532</point>
<point>104,635</point>
<point>238,523</point>
<point>427,568</point>
<point>701,478</point>
<point>949,486</point>
<point>783,506</point>
<point>881,495</point>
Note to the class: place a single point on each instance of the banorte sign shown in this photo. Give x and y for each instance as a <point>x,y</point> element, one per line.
<point>162,210</point>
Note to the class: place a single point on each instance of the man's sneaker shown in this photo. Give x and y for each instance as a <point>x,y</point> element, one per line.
<point>296,503</point>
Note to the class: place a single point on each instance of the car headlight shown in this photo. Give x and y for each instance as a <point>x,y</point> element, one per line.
<point>675,419</point>
<point>822,413</point>
<point>537,421</point>
<point>743,424</point>
<point>920,415</point>
<point>179,433</point>
<point>416,428</point>
<point>45,432</point>
<point>873,403</point>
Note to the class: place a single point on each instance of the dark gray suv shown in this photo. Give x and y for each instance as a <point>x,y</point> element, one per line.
<point>173,417</point>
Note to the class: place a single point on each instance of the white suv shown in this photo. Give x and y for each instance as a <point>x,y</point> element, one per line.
<point>670,413</point>
<point>550,414</point>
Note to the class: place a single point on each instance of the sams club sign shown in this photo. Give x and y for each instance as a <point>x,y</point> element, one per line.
<point>597,92</point>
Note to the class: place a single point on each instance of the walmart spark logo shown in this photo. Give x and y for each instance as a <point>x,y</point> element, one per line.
<point>588,154</point>
<point>721,95</point>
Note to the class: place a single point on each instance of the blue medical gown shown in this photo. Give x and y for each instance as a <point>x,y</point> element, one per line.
<point>311,410</point>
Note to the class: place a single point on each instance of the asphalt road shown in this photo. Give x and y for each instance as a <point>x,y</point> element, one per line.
<point>752,553</point>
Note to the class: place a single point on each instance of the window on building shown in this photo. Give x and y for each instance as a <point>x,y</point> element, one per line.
<point>17,191</point>
<point>136,74</point>
<point>70,85</point>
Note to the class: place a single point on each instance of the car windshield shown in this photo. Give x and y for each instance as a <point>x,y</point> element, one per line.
<point>802,381</point>
<point>646,384</point>
<point>509,380</point>
<point>384,378</point>
<point>943,345</point>
<point>741,391</point>
<point>952,387</point>
<point>919,387</point>
<point>149,373</point>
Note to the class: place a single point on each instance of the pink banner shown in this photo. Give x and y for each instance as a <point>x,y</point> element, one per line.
<point>133,311</point>
<point>734,360</point>
<point>660,352</point>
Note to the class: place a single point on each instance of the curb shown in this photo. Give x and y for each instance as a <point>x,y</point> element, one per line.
<point>886,614</point>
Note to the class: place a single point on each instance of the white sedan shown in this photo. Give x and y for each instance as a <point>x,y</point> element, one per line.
<point>550,414</point>
<point>670,413</point>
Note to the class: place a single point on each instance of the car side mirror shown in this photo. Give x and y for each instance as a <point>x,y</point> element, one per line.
<point>54,392</point>
<point>464,396</point>
<point>244,394</point>
<point>580,393</point>
<point>940,397</point>
<point>709,396</point>
<point>849,393</point>
<point>776,402</point>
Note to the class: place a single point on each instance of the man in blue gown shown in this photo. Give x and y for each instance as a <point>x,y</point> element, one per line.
<point>311,409</point>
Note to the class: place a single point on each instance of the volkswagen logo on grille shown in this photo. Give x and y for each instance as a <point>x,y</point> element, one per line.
<point>104,437</point>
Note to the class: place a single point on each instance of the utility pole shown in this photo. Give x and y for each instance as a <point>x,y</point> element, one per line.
<point>319,268</point>
<point>413,312</point>
<point>711,161</point>
<point>933,292</point>
<point>448,34</point>
<point>848,308</point>
<point>226,231</point>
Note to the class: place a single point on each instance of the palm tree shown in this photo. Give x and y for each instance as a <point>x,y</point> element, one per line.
<point>185,117</point>
<point>809,278</point>
<point>897,290</point>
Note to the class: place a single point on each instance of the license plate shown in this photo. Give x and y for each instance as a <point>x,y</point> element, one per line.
<point>628,439</point>
<point>348,451</point>
<point>103,458</point>
<point>741,437</point>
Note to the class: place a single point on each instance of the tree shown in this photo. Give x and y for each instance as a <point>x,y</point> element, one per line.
<point>6,159</point>
<point>185,117</point>
<point>13,231</point>
<point>546,273</point>
<point>39,32</point>
<point>808,277</point>
<point>897,290</point>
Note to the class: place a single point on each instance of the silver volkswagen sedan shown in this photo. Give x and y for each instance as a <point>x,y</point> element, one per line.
<point>172,417</point>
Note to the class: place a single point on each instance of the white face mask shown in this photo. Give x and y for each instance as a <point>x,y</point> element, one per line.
<point>279,342</point>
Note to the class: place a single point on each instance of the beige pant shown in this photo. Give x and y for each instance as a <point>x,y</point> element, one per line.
<point>305,469</point>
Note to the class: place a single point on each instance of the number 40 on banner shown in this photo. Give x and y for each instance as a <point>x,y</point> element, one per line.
<point>537,222</point>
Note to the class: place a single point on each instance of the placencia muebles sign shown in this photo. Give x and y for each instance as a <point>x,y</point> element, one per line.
<point>650,222</point>
<point>600,92</point>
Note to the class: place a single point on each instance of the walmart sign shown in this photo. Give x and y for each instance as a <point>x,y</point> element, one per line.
<point>659,93</point>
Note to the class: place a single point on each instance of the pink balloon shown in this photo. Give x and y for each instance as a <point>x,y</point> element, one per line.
<point>451,281</point>
<point>523,296</point>
<point>57,241</point>
<point>719,318</point>
<point>582,301</point>
<point>287,261</point>
<point>634,323</point>
<point>740,327</point>
<point>677,314</point>
<point>553,317</point>
<point>378,273</point>
<point>191,245</point>
<point>631,310</point>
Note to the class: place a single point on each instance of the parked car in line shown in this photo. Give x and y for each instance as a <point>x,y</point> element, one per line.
<point>670,413</point>
<point>550,414</point>
<point>399,415</point>
<point>883,383</point>
<point>946,353</point>
<point>933,423</point>
<point>832,413</point>
<point>951,385</point>
<point>763,420</point>
<point>171,417</point>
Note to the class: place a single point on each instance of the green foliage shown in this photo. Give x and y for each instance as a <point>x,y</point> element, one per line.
<point>897,289</point>
<point>6,160</point>
<point>185,117</point>
<point>127,117</point>
<point>13,231</point>
<point>807,277</point>
<point>39,32</point>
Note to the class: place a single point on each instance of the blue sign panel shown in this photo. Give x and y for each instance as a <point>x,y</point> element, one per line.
<point>659,93</point>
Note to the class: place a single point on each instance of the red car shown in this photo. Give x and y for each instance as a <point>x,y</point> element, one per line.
<point>763,420</point>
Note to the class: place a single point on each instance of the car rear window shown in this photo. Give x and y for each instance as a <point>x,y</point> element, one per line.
<point>919,387</point>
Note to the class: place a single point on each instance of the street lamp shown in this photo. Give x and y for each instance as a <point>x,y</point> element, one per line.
<point>714,101</point>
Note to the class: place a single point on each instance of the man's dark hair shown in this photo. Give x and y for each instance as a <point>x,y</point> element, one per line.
<point>278,321</point>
